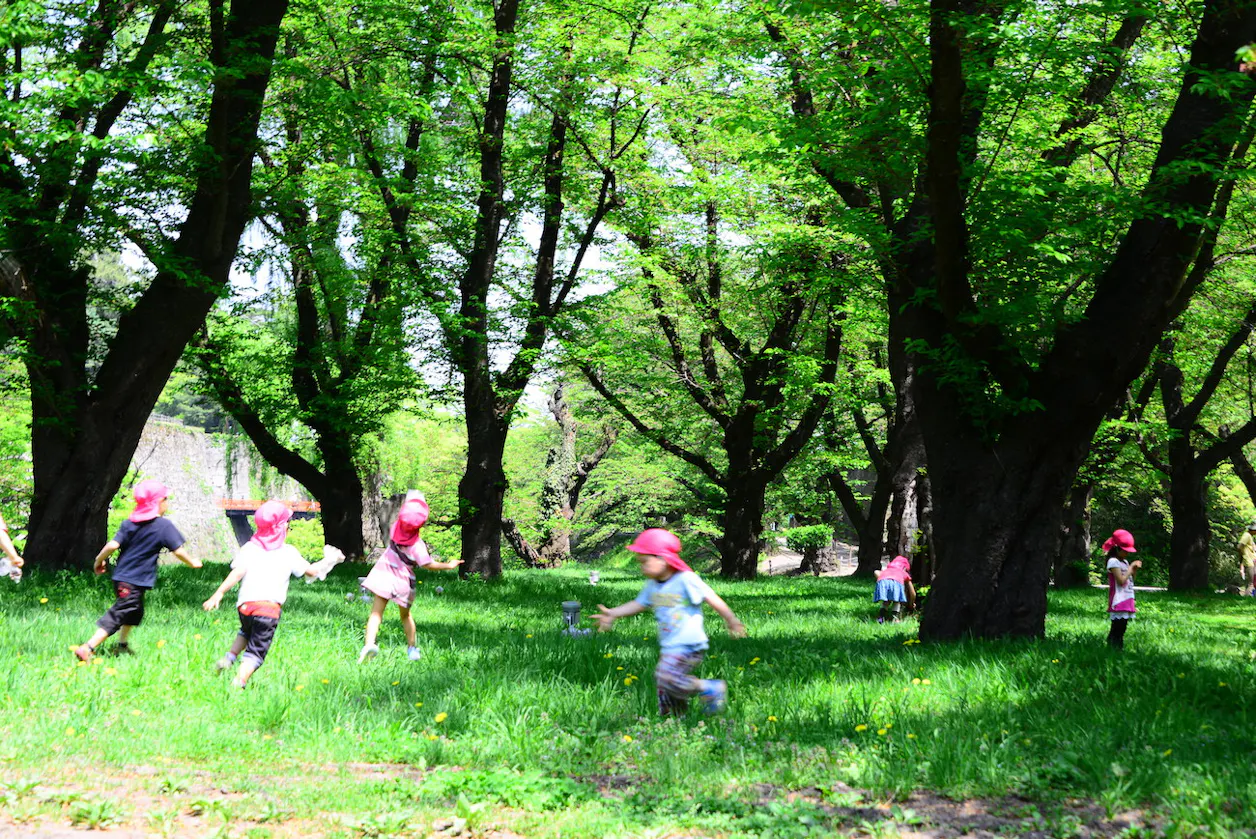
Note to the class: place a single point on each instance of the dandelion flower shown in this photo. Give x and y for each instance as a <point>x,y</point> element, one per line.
<point>861,727</point>
<point>135,712</point>
<point>418,704</point>
<point>889,725</point>
<point>1055,661</point>
<point>1166,752</point>
<point>441,717</point>
<point>300,687</point>
<point>1221,684</point>
<point>396,683</point>
<point>529,635</point>
<point>43,600</point>
<point>325,681</point>
<point>267,737</point>
<point>109,671</point>
<point>609,655</point>
<point>161,643</point>
<point>882,731</point>
<point>627,738</point>
<point>925,682</point>
<point>915,681</point>
<point>911,736</point>
<point>628,680</point>
<point>771,719</point>
<point>619,668</point>
<point>70,732</point>
<point>197,636</point>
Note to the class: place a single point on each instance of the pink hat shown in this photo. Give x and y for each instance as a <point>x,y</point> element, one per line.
<point>660,542</point>
<point>148,498</point>
<point>271,520</point>
<point>901,562</point>
<point>1122,539</point>
<point>410,519</point>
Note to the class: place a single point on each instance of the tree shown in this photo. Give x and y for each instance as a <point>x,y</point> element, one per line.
<point>90,152</point>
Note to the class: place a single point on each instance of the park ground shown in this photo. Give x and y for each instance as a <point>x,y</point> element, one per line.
<point>505,728</point>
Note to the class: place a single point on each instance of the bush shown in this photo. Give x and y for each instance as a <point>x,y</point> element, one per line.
<point>306,535</point>
<point>812,536</point>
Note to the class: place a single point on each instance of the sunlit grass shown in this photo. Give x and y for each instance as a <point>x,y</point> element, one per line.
<point>821,695</point>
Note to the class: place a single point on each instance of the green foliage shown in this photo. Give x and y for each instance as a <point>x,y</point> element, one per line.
<point>529,790</point>
<point>811,536</point>
<point>306,535</point>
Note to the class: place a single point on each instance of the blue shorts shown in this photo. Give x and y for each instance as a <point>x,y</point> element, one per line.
<point>891,590</point>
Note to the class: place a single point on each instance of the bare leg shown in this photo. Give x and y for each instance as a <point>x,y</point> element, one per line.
<point>373,622</point>
<point>97,638</point>
<point>407,623</point>
<point>247,668</point>
<point>124,633</point>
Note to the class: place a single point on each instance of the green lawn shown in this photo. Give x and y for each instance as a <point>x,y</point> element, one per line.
<point>512,727</point>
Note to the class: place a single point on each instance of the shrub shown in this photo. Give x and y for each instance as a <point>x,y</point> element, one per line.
<point>814,536</point>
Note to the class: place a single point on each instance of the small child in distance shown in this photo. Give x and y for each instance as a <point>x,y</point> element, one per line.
<point>11,562</point>
<point>894,588</point>
<point>263,566</point>
<point>676,594</point>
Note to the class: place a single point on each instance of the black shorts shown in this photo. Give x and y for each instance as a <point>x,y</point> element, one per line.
<point>258,632</point>
<point>127,610</point>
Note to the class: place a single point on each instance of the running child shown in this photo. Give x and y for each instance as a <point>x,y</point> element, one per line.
<point>894,588</point>
<point>392,578</point>
<point>263,566</point>
<point>141,539</point>
<point>1120,585</point>
<point>676,594</point>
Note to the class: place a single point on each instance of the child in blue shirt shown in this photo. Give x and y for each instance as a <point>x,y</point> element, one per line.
<point>141,539</point>
<point>676,594</point>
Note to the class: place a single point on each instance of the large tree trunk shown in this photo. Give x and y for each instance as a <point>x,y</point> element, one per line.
<point>341,503</point>
<point>923,548</point>
<point>741,541</point>
<point>82,439</point>
<point>481,493</point>
<point>1073,559</point>
<point>1188,504</point>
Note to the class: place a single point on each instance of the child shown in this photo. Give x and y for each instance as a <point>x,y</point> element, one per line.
<point>263,567</point>
<point>1120,585</point>
<point>140,538</point>
<point>392,578</point>
<point>11,563</point>
<point>894,588</point>
<point>676,594</point>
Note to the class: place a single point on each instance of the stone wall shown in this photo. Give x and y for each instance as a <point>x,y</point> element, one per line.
<point>201,468</point>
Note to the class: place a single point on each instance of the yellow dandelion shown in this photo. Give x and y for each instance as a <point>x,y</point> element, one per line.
<point>110,671</point>
<point>441,717</point>
<point>135,712</point>
<point>1166,752</point>
<point>396,683</point>
<point>43,600</point>
<point>337,730</point>
<point>1055,661</point>
<point>70,732</point>
<point>299,687</point>
<point>861,727</point>
<point>161,643</point>
<point>628,680</point>
<point>325,681</point>
<point>627,738</point>
<point>619,668</point>
<point>431,736</point>
<point>418,704</point>
<point>609,655</point>
<point>911,736</point>
<point>267,737</point>
<point>925,682</point>
<point>915,681</point>
<point>771,719</point>
<point>882,731</point>
<point>889,725</point>
<point>197,636</point>
<point>529,635</point>
<point>1221,684</point>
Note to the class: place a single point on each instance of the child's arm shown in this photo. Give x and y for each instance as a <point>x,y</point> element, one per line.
<point>911,595</point>
<point>105,552</point>
<point>183,556</point>
<point>6,545</point>
<point>442,566</point>
<point>236,575</point>
<point>736,628</point>
<point>608,617</point>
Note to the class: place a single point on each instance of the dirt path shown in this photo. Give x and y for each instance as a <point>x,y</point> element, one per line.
<point>784,562</point>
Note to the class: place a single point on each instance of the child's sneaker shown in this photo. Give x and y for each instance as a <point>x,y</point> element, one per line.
<point>714,695</point>
<point>368,652</point>
<point>414,653</point>
<point>123,649</point>
<point>223,663</point>
<point>83,653</point>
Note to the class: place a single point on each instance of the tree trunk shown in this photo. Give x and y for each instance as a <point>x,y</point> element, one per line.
<point>481,493</point>
<point>1072,563</point>
<point>872,534</point>
<point>819,561</point>
<point>341,503</point>
<point>1188,504</point>
<point>923,551</point>
<point>740,543</point>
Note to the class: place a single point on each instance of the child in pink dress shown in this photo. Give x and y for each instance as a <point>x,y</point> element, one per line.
<point>392,578</point>
<point>1120,585</point>
<point>894,588</point>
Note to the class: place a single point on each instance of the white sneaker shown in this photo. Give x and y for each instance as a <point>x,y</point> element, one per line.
<point>368,652</point>
<point>414,653</point>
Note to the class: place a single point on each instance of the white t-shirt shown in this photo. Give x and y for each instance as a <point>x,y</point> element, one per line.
<point>266,573</point>
<point>677,605</point>
<point>1120,595</point>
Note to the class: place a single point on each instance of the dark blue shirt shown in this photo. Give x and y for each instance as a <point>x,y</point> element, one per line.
<point>141,545</point>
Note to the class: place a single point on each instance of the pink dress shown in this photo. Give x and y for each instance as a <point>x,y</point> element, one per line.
<point>392,578</point>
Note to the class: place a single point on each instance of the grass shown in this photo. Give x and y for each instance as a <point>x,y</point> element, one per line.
<point>552,736</point>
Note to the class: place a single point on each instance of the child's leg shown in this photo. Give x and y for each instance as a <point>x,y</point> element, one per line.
<point>673,679</point>
<point>238,644</point>
<point>1116,634</point>
<point>407,624</point>
<point>126,612</point>
<point>370,648</point>
<point>258,633</point>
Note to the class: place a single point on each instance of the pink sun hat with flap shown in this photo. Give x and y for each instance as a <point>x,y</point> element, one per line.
<point>1122,539</point>
<point>271,520</point>
<point>410,519</point>
<point>660,542</point>
<point>148,498</point>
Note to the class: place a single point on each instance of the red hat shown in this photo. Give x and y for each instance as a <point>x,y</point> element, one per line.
<point>901,562</point>
<point>659,542</point>
<point>148,498</point>
<point>1122,539</point>
<point>410,519</point>
<point>271,520</point>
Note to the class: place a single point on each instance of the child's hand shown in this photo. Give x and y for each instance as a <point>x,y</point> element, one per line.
<point>212,603</point>
<point>605,620</point>
<point>1138,563</point>
<point>18,562</point>
<point>99,567</point>
<point>736,628</point>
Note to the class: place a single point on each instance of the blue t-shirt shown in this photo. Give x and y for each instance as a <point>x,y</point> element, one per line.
<point>141,545</point>
<point>677,605</point>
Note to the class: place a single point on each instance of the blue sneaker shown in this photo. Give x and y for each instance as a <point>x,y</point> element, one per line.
<point>714,696</point>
